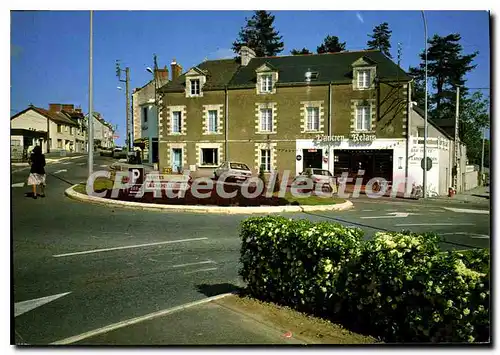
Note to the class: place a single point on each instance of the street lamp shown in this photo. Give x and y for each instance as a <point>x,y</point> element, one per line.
<point>424,188</point>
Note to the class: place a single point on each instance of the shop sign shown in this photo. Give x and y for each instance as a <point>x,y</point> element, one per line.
<point>299,157</point>
<point>312,150</point>
<point>363,137</point>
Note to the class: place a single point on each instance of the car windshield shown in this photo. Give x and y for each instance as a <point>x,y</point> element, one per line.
<point>239,166</point>
<point>321,172</point>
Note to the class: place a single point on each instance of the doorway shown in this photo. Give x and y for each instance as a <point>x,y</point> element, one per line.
<point>154,150</point>
<point>176,160</point>
<point>313,158</point>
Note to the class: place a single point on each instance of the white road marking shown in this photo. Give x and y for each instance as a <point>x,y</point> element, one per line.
<point>103,166</point>
<point>464,210</point>
<point>66,163</point>
<point>136,320</point>
<point>200,270</point>
<point>198,263</point>
<point>367,210</point>
<point>436,211</point>
<point>26,306</point>
<point>18,184</point>
<point>473,235</point>
<point>128,247</point>
<point>60,171</point>
<point>82,164</point>
<point>393,215</point>
<point>434,224</point>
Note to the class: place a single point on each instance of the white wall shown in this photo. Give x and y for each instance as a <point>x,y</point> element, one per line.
<point>30,120</point>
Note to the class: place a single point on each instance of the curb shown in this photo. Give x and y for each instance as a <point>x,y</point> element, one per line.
<point>136,320</point>
<point>71,193</point>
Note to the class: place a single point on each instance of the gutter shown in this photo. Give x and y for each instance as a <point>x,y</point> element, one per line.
<point>226,125</point>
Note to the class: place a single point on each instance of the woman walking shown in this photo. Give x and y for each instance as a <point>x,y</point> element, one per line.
<point>37,172</point>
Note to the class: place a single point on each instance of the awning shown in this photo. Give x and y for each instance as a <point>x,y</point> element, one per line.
<point>28,133</point>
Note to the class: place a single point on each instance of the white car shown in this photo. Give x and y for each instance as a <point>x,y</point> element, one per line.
<point>236,171</point>
<point>320,177</point>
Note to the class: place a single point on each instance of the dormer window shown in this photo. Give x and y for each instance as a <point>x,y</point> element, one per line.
<point>364,78</point>
<point>195,87</point>
<point>267,77</point>
<point>364,72</point>
<point>195,80</point>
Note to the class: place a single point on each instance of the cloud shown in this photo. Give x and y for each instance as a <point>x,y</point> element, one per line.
<point>360,18</point>
<point>222,53</point>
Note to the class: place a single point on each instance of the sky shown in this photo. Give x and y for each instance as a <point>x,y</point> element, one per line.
<point>50,49</point>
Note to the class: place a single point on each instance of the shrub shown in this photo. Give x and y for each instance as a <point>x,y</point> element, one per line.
<point>403,289</point>
<point>295,262</point>
<point>398,286</point>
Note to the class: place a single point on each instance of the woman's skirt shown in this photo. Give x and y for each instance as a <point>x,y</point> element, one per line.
<point>36,179</point>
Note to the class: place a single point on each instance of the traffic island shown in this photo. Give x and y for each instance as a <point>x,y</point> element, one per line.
<point>210,202</point>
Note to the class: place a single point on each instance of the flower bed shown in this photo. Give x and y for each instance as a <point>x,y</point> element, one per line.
<point>398,286</point>
<point>210,195</point>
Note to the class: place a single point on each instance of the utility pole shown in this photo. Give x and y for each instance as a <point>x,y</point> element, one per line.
<point>127,89</point>
<point>482,158</point>
<point>424,187</point>
<point>91,114</point>
<point>457,168</point>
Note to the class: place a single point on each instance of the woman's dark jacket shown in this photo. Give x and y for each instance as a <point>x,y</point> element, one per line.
<point>37,164</point>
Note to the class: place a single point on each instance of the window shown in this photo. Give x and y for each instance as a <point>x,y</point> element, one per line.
<point>212,121</point>
<point>59,129</point>
<point>71,130</point>
<point>195,86</point>
<point>176,122</point>
<point>266,83</point>
<point>265,159</point>
<point>313,118</point>
<point>364,79</point>
<point>66,128</point>
<point>145,114</point>
<point>209,156</point>
<point>420,132</point>
<point>363,118</point>
<point>59,143</point>
<point>266,120</point>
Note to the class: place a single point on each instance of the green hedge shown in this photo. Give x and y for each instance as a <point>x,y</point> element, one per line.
<point>398,286</point>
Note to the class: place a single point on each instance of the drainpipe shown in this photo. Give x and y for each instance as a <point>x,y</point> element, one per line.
<point>226,126</point>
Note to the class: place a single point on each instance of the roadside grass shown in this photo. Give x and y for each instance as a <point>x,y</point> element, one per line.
<point>103,184</point>
<point>311,330</point>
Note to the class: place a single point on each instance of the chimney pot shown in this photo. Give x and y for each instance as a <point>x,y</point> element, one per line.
<point>176,70</point>
<point>55,107</point>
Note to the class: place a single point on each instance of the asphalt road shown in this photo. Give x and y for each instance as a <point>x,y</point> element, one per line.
<point>116,264</point>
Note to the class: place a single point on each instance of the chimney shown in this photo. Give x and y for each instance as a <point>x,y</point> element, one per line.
<point>246,55</point>
<point>176,70</point>
<point>68,107</point>
<point>55,107</point>
<point>78,110</point>
<point>162,75</point>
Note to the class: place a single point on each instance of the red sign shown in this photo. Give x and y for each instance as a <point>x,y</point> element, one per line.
<point>311,150</point>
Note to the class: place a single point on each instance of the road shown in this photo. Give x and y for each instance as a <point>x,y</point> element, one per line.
<point>107,265</point>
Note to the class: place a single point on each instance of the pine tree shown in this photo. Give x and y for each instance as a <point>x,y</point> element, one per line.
<point>331,44</point>
<point>259,35</point>
<point>446,68</point>
<point>300,51</point>
<point>381,39</point>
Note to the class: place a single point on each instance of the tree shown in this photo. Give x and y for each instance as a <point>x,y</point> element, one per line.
<point>300,51</point>
<point>381,39</point>
<point>331,44</point>
<point>446,68</point>
<point>473,118</point>
<point>259,35</point>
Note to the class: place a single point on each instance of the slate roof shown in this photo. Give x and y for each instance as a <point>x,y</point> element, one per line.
<point>219,73</point>
<point>331,67</point>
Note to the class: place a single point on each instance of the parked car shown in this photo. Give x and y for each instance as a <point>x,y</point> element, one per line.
<point>106,152</point>
<point>119,153</point>
<point>234,171</point>
<point>321,177</point>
